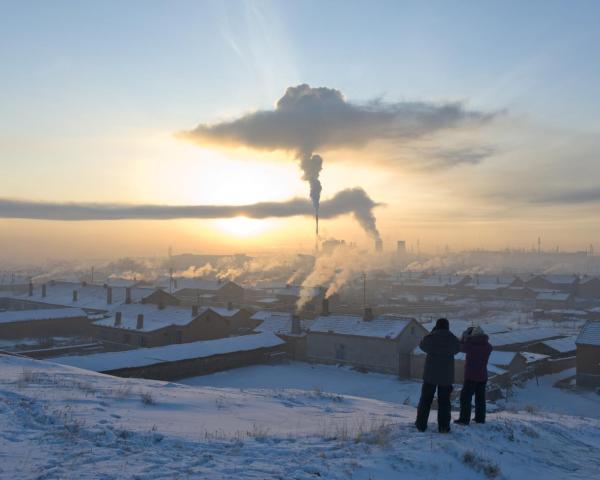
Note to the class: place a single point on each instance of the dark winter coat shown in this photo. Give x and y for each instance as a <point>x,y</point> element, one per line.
<point>478,350</point>
<point>440,347</point>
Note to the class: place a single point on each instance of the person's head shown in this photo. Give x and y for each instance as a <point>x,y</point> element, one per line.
<point>477,331</point>
<point>442,324</point>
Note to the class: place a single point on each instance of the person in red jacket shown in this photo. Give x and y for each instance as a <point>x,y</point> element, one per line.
<point>475,344</point>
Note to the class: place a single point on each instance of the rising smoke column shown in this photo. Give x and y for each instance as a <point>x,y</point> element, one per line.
<point>307,120</point>
<point>312,165</point>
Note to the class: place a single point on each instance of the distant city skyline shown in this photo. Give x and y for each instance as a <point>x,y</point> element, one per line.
<point>96,95</point>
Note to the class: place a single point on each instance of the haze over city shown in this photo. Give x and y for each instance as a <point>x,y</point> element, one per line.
<point>267,239</point>
<point>478,135</point>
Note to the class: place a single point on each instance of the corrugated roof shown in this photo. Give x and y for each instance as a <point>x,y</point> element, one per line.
<point>383,326</point>
<point>590,334</point>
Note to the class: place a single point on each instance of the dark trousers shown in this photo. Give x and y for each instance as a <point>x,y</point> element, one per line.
<point>469,389</point>
<point>443,416</point>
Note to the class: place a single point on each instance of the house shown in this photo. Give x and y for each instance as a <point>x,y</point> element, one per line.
<point>589,287</point>
<point>556,348</point>
<point>205,292</point>
<point>173,362</point>
<point>553,300</point>
<point>160,297</point>
<point>562,283</point>
<point>150,326</point>
<point>47,322</point>
<point>588,355</point>
<point>382,343</point>
<point>289,295</point>
<point>90,297</point>
<point>287,326</point>
<point>488,286</point>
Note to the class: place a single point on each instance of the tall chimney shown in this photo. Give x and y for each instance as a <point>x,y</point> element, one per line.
<point>75,295</point>
<point>43,289</point>
<point>128,295</point>
<point>368,315</point>
<point>140,321</point>
<point>296,328</point>
<point>118,319</point>
<point>325,307</point>
<point>31,289</point>
<point>194,311</point>
<point>109,295</point>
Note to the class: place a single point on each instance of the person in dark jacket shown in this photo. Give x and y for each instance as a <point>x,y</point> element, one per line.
<point>440,346</point>
<point>476,345</point>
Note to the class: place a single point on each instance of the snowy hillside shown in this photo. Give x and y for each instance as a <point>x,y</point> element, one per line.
<point>58,422</point>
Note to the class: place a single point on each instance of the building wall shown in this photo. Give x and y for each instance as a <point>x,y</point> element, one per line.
<point>201,366</point>
<point>377,354</point>
<point>588,365</point>
<point>45,328</point>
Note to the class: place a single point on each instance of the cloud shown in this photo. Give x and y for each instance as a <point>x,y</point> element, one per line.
<point>569,197</point>
<point>353,201</point>
<point>307,119</point>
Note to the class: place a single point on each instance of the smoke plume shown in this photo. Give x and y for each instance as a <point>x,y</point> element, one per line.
<point>307,119</point>
<point>354,201</point>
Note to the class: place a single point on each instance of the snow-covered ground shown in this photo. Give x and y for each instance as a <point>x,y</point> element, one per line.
<point>59,422</point>
<point>304,376</point>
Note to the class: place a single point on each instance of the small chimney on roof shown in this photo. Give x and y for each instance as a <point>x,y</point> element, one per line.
<point>161,305</point>
<point>31,289</point>
<point>296,328</point>
<point>75,295</point>
<point>140,321</point>
<point>128,295</point>
<point>368,315</point>
<point>194,310</point>
<point>118,319</point>
<point>84,284</point>
<point>109,295</point>
<point>43,290</point>
<point>325,307</point>
<point>229,305</point>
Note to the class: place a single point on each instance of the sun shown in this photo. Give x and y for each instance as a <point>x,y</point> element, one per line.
<point>242,226</point>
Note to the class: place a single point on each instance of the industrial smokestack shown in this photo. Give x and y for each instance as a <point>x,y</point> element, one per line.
<point>368,314</point>
<point>140,321</point>
<point>325,307</point>
<point>118,319</point>
<point>128,295</point>
<point>109,295</point>
<point>75,295</point>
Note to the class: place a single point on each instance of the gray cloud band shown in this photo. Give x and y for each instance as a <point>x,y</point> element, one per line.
<point>353,201</point>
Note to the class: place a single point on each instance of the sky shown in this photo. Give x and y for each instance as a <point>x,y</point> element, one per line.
<point>96,95</point>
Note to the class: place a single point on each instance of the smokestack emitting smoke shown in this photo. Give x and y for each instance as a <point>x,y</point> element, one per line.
<point>306,119</point>
<point>354,201</point>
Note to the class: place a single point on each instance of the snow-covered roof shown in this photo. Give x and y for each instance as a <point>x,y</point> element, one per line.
<point>590,334</point>
<point>200,284</point>
<point>142,357</point>
<point>443,280</point>
<point>457,327</point>
<point>156,318</point>
<point>533,357</point>
<point>553,296</point>
<point>88,296</point>
<point>562,345</point>
<point>40,314</point>
<point>559,279</point>
<point>527,335</point>
<point>277,322</point>
<point>383,326</point>
<point>491,281</point>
